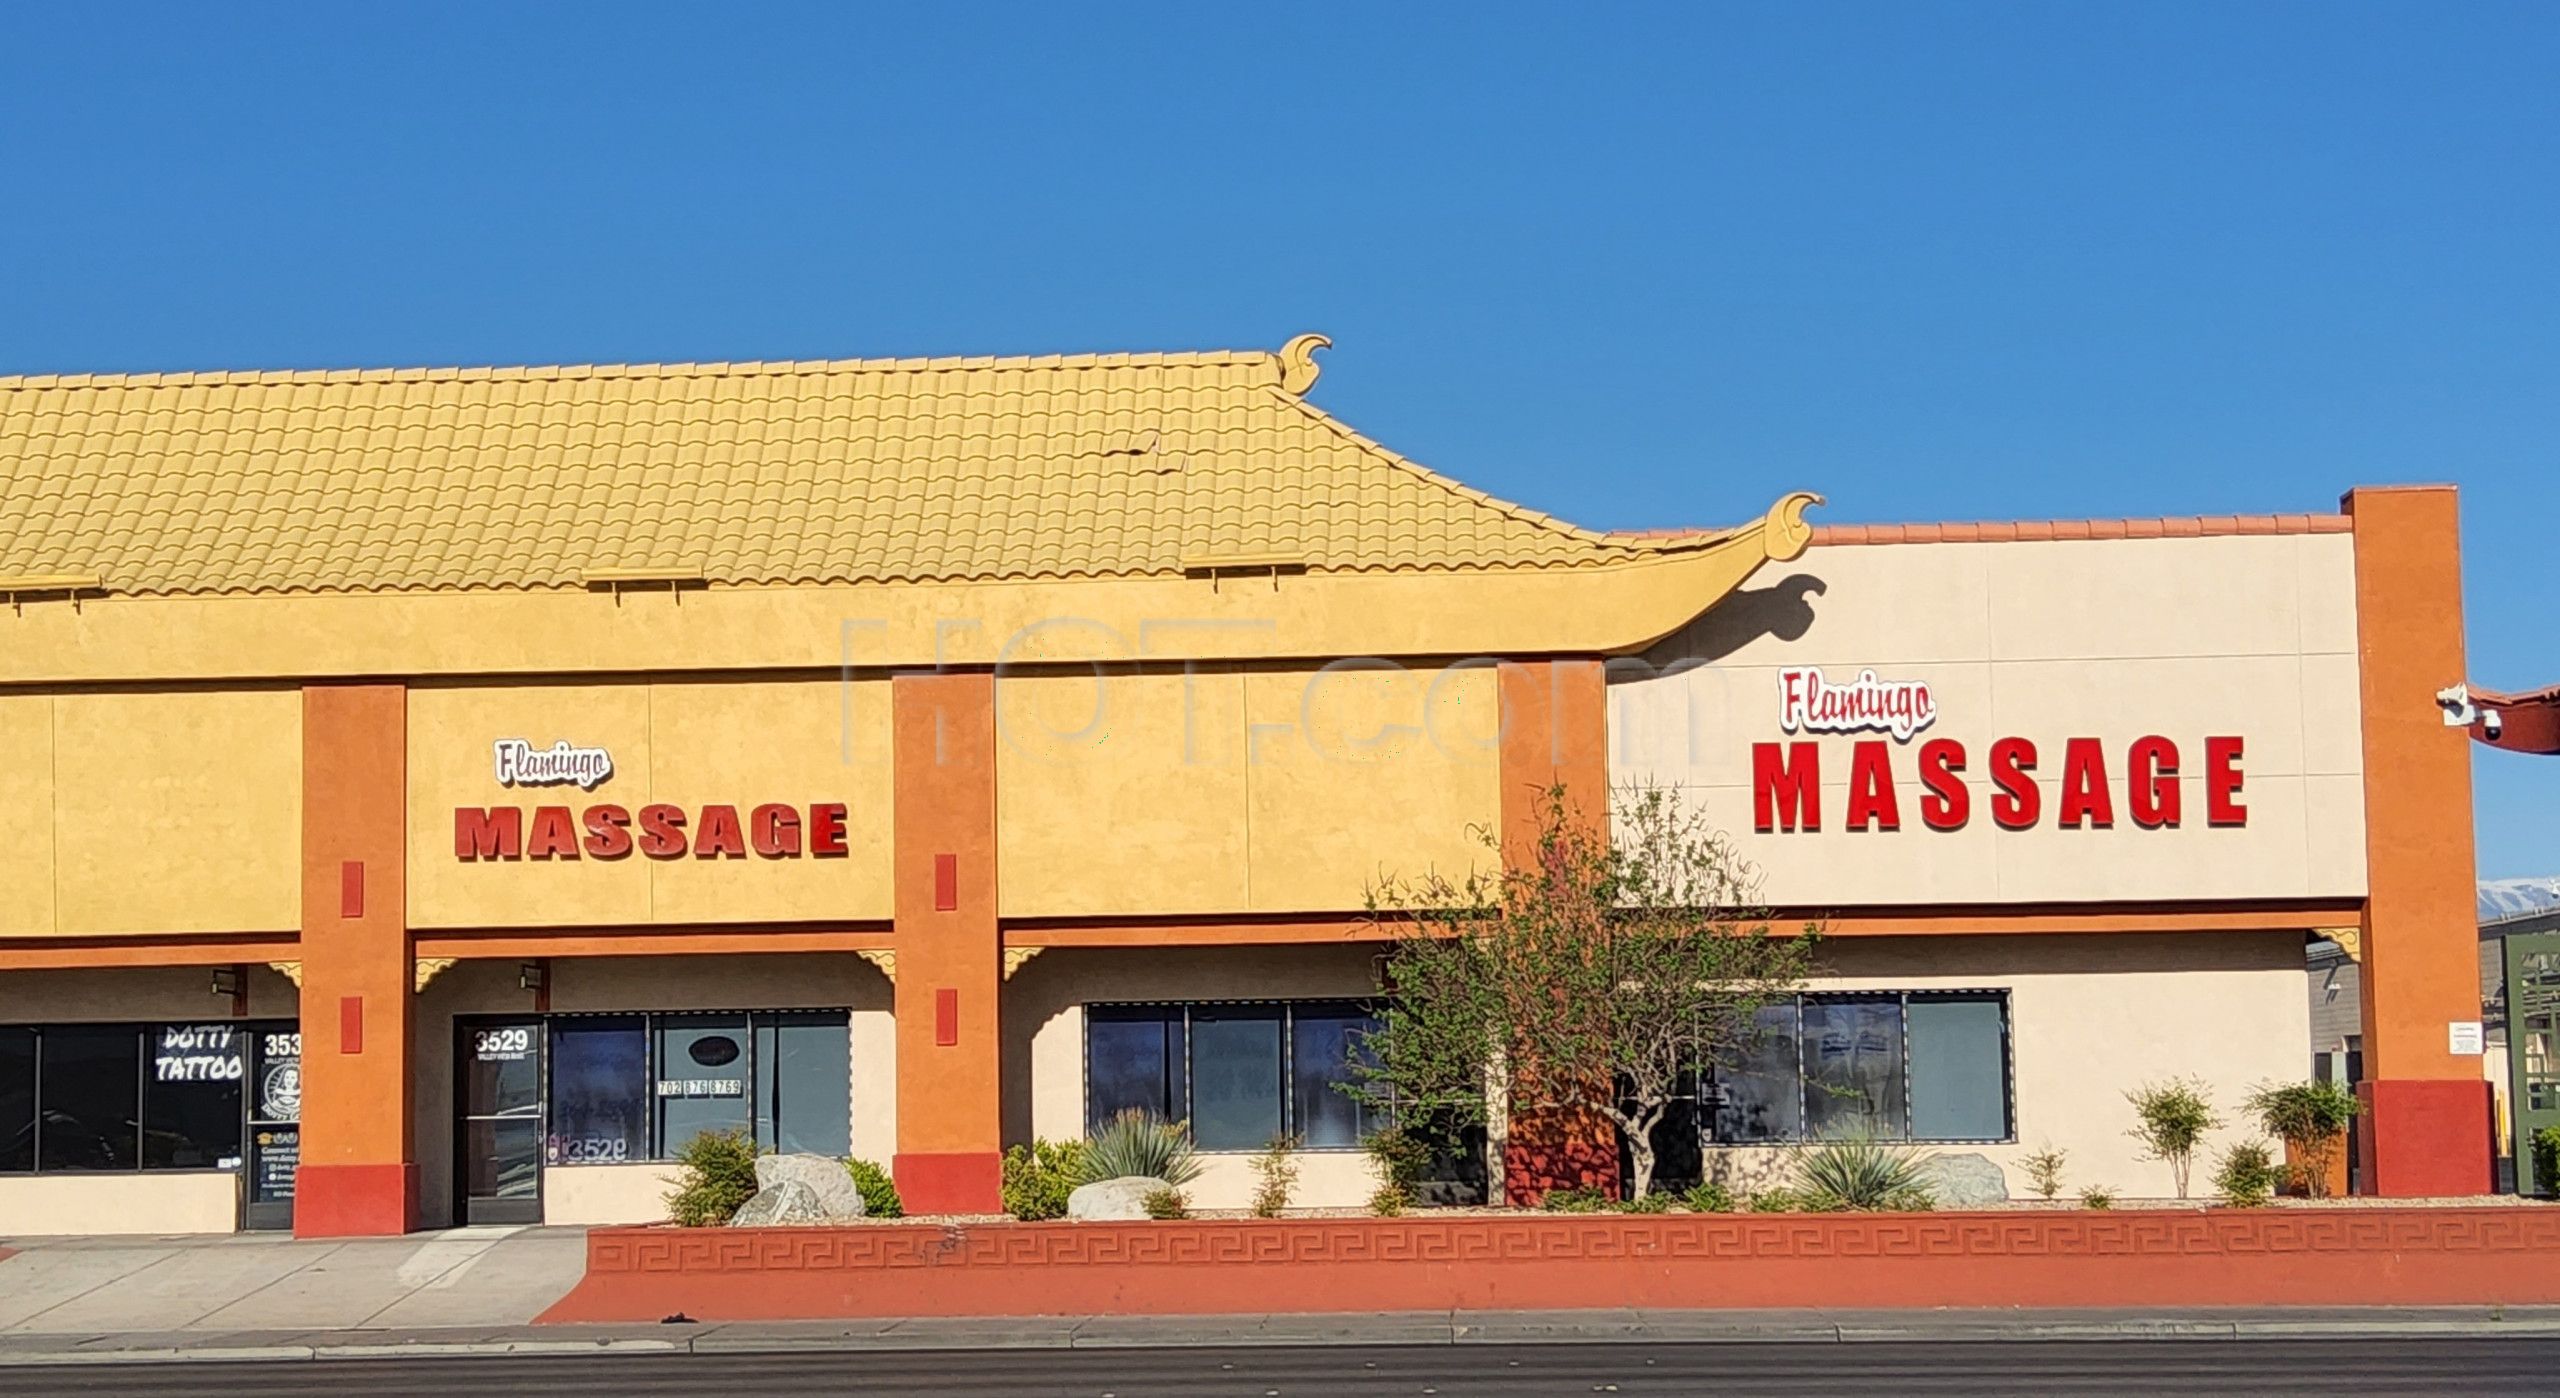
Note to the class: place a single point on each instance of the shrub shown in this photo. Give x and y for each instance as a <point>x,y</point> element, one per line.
<point>1277,1169</point>
<point>2311,1118</point>
<point>1135,1143</point>
<point>2096,1198</point>
<point>1390,1200</point>
<point>1780,1200</point>
<point>1039,1177</point>
<point>1708,1197</point>
<point>1580,1199</point>
<point>1655,1202</point>
<point>2172,1118</point>
<point>1400,1156</point>
<point>2546,1159</point>
<point>2248,1176</point>
<point>715,1174</point>
<point>2044,1167</point>
<point>1165,1202</point>
<point>879,1192</point>
<point>1861,1172</point>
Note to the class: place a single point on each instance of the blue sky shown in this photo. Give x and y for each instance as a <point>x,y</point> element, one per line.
<point>1638,266</point>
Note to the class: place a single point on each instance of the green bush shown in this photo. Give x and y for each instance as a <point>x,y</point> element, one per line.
<point>2248,1175</point>
<point>1039,1177</point>
<point>1137,1144</point>
<point>1861,1172</point>
<point>715,1174</point>
<point>1276,1177</point>
<point>879,1192</point>
<point>1165,1202</point>
<point>1400,1157</point>
<point>2546,1159</point>
<point>2311,1118</point>
<point>1580,1199</point>
<point>1390,1200</point>
<point>2045,1168</point>
<point>1650,1202</point>
<point>1778,1200</point>
<point>2170,1119</point>
<point>2096,1198</point>
<point>1708,1197</point>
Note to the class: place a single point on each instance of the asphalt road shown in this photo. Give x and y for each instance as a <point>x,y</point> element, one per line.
<point>1870,1370</point>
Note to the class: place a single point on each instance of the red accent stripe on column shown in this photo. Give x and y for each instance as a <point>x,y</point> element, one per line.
<point>946,1018</point>
<point>351,888</point>
<point>946,883</point>
<point>351,1024</point>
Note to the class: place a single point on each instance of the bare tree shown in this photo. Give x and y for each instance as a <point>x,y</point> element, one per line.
<point>1596,971</point>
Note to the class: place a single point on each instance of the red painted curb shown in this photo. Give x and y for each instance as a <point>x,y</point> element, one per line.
<point>2218,1257</point>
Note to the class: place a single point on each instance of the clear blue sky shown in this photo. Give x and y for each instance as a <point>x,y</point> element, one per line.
<point>1636,266</point>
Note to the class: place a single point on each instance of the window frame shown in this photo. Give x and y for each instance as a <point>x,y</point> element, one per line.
<point>1288,1068</point>
<point>1709,1095</point>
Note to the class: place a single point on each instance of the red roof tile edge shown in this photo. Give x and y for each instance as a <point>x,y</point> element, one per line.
<point>2049,530</point>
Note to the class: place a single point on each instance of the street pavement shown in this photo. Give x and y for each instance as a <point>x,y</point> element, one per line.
<point>2330,1365</point>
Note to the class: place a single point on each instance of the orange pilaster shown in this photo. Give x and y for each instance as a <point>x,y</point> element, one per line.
<point>950,1143</point>
<point>358,1176</point>
<point>2428,1116</point>
<point>1555,734</point>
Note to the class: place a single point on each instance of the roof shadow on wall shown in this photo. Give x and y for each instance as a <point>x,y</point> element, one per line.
<point>1783,609</point>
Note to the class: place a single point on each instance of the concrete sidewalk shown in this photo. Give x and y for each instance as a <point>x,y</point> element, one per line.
<point>270,1283</point>
<point>1167,1332</point>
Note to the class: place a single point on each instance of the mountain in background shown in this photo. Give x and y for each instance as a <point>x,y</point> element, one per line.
<point>2517,897</point>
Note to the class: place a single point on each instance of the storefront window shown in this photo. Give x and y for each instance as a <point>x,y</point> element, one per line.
<point>1927,1065</point>
<point>803,1087</point>
<point>191,1097</point>
<point>1852,1067</point>
<point>1241,1074</point>
<point>702,1077</point>
<point>17,1100</point>
<point>599,1091</point>
<point>91,1080</point>
<point>1759,1096</point>
<point>1959,1079</point>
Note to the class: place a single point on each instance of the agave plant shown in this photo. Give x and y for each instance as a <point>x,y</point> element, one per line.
<point>1861,1172</point>
<point>1137,1143</point>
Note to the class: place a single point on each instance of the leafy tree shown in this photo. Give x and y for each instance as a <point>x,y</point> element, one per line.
<point>1590,974</point>
<point>2311,1118</point>
<point>2171,1119</point>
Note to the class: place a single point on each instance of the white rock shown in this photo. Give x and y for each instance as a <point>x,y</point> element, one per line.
<point>1112,1201</point>
<point>1965,1180</point>
<point>824,1176</point>
<point>786,1203</point>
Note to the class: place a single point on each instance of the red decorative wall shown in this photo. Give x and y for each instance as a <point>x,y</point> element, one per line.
<point>2218,1257</point>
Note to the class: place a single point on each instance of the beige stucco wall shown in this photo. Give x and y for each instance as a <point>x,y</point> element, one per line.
<point>191,1202</point>
<point>2092,1018</point>
<point>1221,790</point>
<point>2117,639</point>
<point>625,1194</point>
<point>150,813</point>
<point>171,994</point>
<point>690,743</point>
<point>1044,1042</point>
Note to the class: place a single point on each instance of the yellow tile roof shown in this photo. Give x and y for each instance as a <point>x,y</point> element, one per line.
<point>819,472</point>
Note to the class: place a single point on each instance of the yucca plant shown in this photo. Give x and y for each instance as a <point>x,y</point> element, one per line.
<point>1861,1172</point>
<point>1137,1143</point>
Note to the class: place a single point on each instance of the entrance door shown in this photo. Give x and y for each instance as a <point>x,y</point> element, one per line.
<point>2533,1047</point>
<point>274,1125</point>
<point>497,1129</point>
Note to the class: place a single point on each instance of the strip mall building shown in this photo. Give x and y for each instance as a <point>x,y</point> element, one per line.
<point>435,796</point>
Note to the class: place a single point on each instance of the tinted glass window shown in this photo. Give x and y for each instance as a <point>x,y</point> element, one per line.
<point>1852,1067</point>
<point>1759,1095</point>
<point>92,1083</point>
<point>1235,1077</point>
<point>1133,1060</point>
<point>803,1083</point>
<point>599,1091</point>
<point>702,1077</point>
<point>17,1099</point>
<point>1324,1042</point>
<point>191,1097</point>
<point>1959,1068</point>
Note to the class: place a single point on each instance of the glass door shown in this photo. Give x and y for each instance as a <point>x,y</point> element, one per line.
<point>274,1125</point>
<point>497,1130</point>
<point>2533,1047</point>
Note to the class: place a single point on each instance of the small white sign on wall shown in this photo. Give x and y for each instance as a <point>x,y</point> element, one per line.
<point>2462,1038</point>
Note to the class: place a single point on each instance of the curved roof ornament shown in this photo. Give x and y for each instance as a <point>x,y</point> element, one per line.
<point>1298,367</point>
<point>1784,532</point>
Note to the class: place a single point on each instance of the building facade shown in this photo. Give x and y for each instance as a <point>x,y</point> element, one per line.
<point>436,796</point>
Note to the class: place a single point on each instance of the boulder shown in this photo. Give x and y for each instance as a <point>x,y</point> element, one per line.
<point>824,1176</point>
<point>1965,1181</point>
<point>786,1203</point>
<point>1112,1201</point>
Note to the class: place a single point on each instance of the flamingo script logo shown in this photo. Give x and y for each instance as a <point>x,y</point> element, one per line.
<point>1811,704</point>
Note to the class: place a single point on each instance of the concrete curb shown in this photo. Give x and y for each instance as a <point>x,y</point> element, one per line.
<point>1296,1332</point>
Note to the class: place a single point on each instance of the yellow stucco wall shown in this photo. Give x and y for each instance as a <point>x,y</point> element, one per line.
<point>147,813</point>
<point>689,743</point>
<point>1224,790</point>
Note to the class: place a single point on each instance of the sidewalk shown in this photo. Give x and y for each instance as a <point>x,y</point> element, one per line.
<point>1169,1332</point>
<point>270,1283</point>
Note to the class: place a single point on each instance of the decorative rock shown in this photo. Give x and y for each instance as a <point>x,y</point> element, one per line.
<point>825,1177</point>
<point>1119,1200</point>
<point>1965,1181</point>
<point>785,1203</point>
